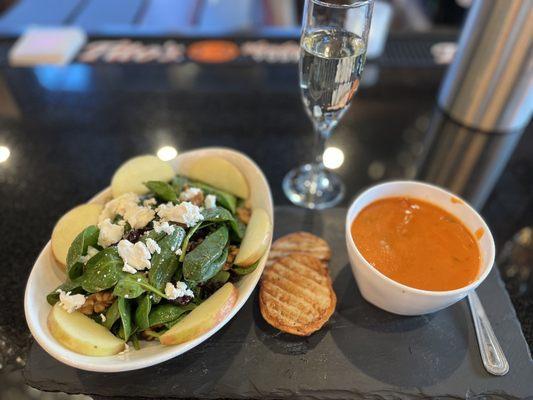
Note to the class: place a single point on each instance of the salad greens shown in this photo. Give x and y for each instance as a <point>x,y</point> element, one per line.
<point>155,275</point>
<point>88,237</point>
<point>225,199</point>
<point>102,271</point>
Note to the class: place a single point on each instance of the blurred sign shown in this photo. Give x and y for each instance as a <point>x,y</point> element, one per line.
<point>204,51</point>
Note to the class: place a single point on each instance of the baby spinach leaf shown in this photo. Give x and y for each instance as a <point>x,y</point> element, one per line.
<point>129,286</point>
<point>220,214</point>
<point>212,269</point>
<point>124,308</point>
<point>165,263</point>
<point>220,278</point>
<point>132,286</point>
<point>216,214</point>
<point>211,216</point>
<point>120,332</point>
<point>238,229</point>
<point>144,304</point>
<point>112,315</point>
<point>73,286</point>
<point>102,271</point>
<point>178,275</point>
<point>198,292</point>
<point>87,237</point>
<point>109,253</point>
<point>135,341</point>
<point>165,313</point>
<point>247,270</point>
<point>224,199</point>
<point>162,190</point>
<point>203,262</point>
<point>170,324</point>
<point>191,232</point>
<point>152,235</point>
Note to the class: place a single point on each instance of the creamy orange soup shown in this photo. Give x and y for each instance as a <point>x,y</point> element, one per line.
<point>417,243</point>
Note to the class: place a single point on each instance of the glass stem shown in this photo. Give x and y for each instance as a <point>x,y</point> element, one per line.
<point>317,167</point>
<point>321,135</point>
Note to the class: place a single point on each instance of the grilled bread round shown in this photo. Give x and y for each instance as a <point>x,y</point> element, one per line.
<point>296,294</point>
<point>300,243</point>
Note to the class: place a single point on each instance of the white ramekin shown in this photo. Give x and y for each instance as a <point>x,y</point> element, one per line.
<point>395,297</point>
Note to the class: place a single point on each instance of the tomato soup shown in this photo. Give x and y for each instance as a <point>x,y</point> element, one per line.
<point>417,243</point>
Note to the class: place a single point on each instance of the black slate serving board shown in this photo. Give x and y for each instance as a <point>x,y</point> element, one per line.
<point>362,353</point>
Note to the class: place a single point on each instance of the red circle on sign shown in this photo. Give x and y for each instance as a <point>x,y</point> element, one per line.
<point>213,51</point>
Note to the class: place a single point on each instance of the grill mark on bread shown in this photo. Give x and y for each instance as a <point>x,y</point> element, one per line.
<point>285,271</point>
<point>296,294</point>
<point>304,302</point>
<point>307,271</point>
<point>285,310</point>
<point>308,287</point>
<point>296,290</point>
<point>299,243</point>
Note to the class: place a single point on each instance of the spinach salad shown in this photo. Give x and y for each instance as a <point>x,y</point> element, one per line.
<point>153,258</point>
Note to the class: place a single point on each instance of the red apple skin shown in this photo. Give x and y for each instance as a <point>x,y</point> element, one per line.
<point>228,306</point>
<point>168,338</point>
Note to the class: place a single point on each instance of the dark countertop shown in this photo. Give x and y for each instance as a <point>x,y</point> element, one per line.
<point>68,129</point>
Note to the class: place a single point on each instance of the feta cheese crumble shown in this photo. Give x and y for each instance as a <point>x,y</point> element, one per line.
<point>127,206</point>
<point>163,226</point>
<point>152,246</point>
<point>150,202</point>
<point>70,302</point>
<point>129,269</point>
<point>103,318</point>
<point>109,233</point>
<point>136,256</point>
<point>180,290</point>
<point>118,206</point>
<point>138,217</point>
<point>178,252</point>
<point>210,201</point>
<point>183,213</point>
<point>91,252</point>
<point>190,194</point>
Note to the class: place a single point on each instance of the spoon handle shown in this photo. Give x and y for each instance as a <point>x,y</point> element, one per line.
<point>491,352</point>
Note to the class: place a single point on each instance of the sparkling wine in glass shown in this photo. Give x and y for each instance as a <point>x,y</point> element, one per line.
<point>332,57</point>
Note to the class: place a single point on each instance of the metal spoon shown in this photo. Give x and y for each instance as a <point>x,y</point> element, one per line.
<point>491,352</point>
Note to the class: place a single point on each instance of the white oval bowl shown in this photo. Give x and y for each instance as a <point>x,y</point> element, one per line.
<point>46,275</point>
<point>395,297</point>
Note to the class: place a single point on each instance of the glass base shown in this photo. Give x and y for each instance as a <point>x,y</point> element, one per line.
<point>312,186</point>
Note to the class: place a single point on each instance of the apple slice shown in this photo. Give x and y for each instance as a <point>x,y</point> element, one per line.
<point>131,175</point>
<point>221,174</point>
<point>81,334</point>
<point>69,226</point>
<point>256,238</point>
<point>204,317</point>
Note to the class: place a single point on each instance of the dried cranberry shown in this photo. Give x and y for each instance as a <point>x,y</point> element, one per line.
<point>135,234</point>
<point>182,301</point>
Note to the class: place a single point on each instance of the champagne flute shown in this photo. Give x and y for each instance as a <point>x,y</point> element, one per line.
<point>332,57</point>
